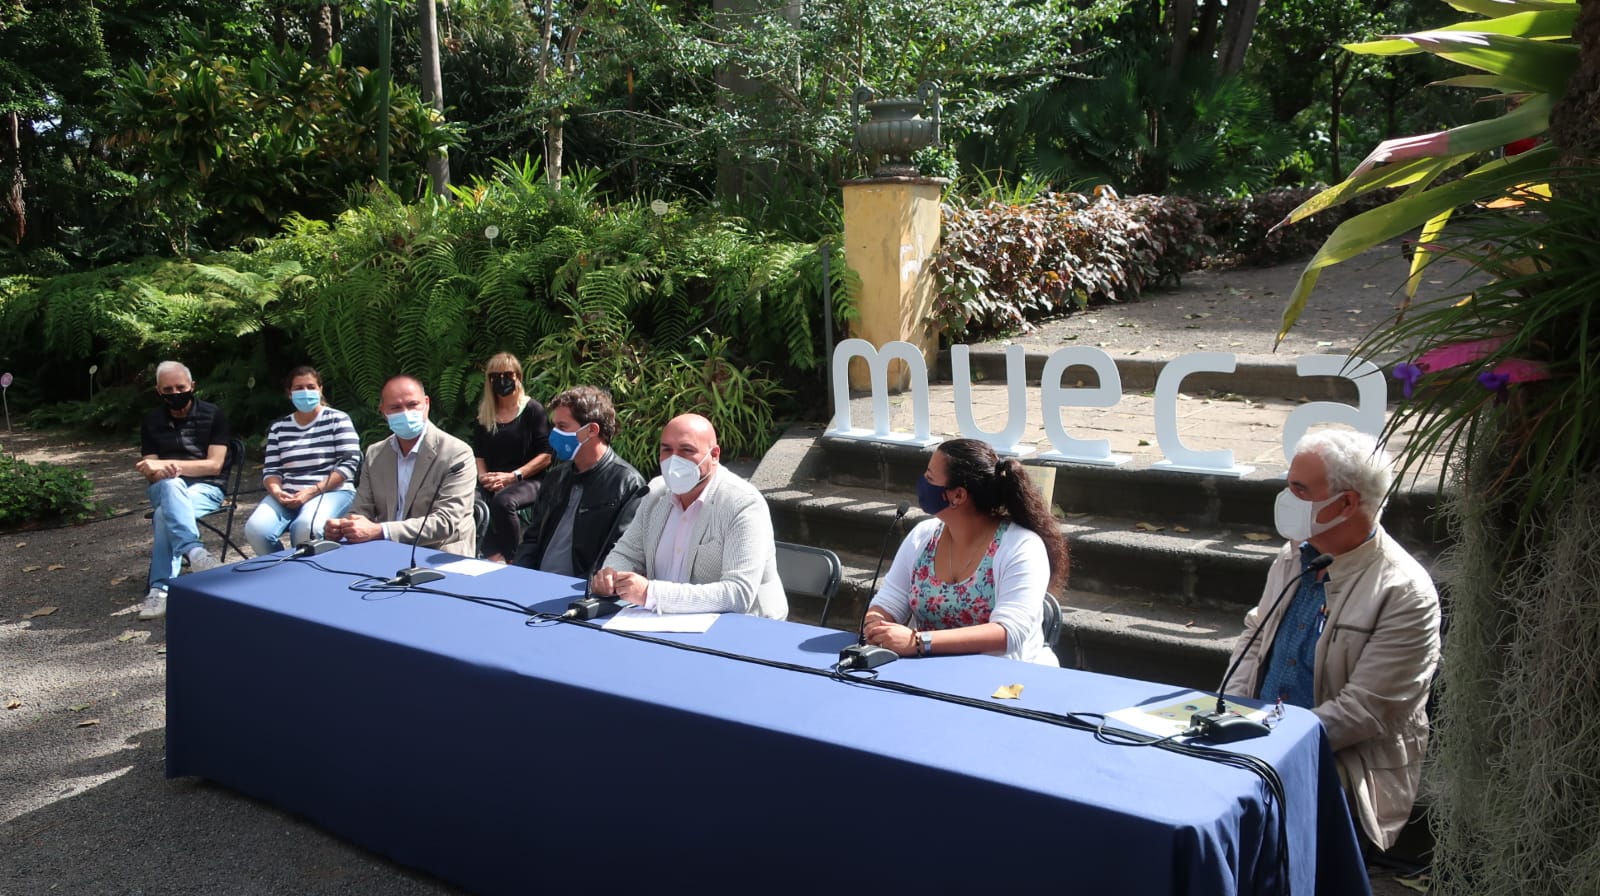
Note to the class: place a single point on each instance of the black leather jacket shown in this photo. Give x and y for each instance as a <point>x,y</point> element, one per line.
<point>601,516</point>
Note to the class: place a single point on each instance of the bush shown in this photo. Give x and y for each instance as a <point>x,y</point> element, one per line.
<point>1241,227</point>
<point>39,492</point>
<point>1003,265</point>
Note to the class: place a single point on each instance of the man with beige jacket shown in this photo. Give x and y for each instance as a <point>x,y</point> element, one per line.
<point>1357,643</point>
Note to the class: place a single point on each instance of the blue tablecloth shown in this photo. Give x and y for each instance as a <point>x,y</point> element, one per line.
<point>511,758</point>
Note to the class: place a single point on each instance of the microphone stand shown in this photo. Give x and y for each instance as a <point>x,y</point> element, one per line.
<point>589,606</point>
<point>860,656</point>
<point>1223,726</point>
<point>414,575</point>
<point>317,546</point>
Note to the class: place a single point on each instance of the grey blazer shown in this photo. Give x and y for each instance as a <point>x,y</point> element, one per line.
<point>732,565</point>
<point>449,526</point>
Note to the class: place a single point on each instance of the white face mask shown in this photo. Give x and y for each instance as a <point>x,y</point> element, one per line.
<point>1296,518</point>
<point>681,474</point>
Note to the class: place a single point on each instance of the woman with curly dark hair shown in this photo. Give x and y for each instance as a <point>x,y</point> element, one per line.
<point>972,578</point>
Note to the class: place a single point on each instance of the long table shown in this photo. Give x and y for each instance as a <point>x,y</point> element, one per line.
<point>515,758</point>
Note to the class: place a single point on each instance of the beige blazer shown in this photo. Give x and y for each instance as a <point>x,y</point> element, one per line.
<point>733,564</point>
<point>449,526</point>
<point>1374,665</point>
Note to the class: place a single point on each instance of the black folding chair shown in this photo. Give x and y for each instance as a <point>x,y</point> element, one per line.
<point>233,477</point>
<point>809,571</point>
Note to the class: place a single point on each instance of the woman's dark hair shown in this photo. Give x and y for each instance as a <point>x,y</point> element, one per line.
<point>1002,488</point>
<point>298,372</point>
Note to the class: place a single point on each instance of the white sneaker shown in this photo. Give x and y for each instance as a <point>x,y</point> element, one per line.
<point>201,559</point>
<point>155,604</point>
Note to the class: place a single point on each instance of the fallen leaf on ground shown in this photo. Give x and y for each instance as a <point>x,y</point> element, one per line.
<point>161,650</point>
<point>55,566</point>
<point>119,580</point>
<point>1183,529</point>
<point>13,703</point>
<point>1147,527</point>
<point>1008,692</point>
<point>87,722</point>
<point>22,544</point>
<point>79,707</point>
<point>126,636</point>
<point>42,611</point>
<point>1189,624</point>
<point>33,568</point>
<point>1144,443</point>
<point>1258,536</point>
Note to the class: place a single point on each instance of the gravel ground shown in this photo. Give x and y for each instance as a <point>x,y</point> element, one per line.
<point>84,805</point>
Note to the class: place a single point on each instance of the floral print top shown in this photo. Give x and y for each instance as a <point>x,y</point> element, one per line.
<point>937,604</point>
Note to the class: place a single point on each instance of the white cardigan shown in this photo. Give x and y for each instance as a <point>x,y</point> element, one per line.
<point>1021,576</point>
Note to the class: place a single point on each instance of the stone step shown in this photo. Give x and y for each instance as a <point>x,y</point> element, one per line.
<point>1136,493</point>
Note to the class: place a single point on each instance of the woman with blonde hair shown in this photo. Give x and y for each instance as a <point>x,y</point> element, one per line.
<point>511,440</point>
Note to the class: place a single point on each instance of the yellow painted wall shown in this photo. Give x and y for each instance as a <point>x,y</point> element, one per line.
<point>891,231</point>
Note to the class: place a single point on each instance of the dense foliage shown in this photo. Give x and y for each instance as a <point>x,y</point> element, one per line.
<point>1004,264</point>
<point>41,492</point>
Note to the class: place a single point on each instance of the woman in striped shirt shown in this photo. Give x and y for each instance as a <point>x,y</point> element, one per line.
<point>312,459</point>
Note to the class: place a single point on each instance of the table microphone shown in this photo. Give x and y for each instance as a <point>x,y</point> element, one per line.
<point>1223,726</point>
<point>589,606</point>
<point>415,575</point>
<point>859,656</point>
<point>316,546</point>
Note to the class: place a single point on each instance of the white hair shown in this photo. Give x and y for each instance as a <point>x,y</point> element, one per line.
<point>166,367</point>
<point>1355,462</point>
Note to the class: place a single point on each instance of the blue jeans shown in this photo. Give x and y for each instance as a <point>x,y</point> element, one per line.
<point>267,525</point>
<point>178,505</point>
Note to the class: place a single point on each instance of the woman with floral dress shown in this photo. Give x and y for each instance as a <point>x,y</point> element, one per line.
<point>972,578</point>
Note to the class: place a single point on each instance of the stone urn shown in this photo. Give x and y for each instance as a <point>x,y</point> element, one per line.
<point>898,128</point>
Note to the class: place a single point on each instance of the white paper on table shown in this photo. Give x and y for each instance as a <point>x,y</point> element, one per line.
<point>469,567</point>
<point>1171,716</point>
<point>638,619</point>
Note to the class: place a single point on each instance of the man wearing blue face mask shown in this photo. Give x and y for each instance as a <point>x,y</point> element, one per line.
<point>587,501</point>
<point>702,539</point>
<point>1357,643</point>
<point>417,485</point>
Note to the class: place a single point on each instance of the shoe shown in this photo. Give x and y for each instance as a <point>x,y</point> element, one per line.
<point>155,604</point>
<point>201,559</point>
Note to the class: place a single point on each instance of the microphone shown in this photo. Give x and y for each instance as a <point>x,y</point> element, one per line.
<point>859,656</point>
<point>315,546</point>
<point>415,575</point>
<point>1223,726</point>
<point>589,606</point>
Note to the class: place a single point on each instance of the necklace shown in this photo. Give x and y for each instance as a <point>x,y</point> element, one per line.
<point>955,565</point>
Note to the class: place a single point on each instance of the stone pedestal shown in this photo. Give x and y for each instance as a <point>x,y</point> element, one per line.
<point>891,231</point>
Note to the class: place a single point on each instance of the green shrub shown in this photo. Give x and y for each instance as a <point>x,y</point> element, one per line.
<point>1241,227</point>
<point>1002,265</point>
<point>39,492</point>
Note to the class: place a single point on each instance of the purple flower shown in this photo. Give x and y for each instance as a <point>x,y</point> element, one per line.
<point>1407,374</point>
<point>1494,382</point>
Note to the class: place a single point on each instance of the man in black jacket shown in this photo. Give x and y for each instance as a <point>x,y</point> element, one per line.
<point>585,503</point>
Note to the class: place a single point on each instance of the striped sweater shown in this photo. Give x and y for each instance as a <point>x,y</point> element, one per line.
<point>302,456</point>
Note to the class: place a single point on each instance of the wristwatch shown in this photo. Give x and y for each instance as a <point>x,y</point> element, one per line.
<point>517,475</point>
<point>924,643</point>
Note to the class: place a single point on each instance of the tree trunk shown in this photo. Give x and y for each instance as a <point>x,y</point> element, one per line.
<point>15,200</point>
<point>320,25</point>
<point>1238,26</point>
<point>1205,40</point>
<point>433,92</point>
<point>1336,91</point>
<point>1180,24</point>
<point>1575,121</point>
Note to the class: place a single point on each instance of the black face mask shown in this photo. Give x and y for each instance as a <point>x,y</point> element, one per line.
<point>503,384</point>
<point>177,401</point>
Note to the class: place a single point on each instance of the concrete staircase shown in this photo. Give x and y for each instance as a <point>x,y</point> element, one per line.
<point>1164,564</point>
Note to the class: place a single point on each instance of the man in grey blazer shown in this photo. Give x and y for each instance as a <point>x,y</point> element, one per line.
<point>701,541</point>
<point>417,485</point>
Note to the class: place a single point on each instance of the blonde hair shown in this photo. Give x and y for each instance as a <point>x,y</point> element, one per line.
<point>486,404</point>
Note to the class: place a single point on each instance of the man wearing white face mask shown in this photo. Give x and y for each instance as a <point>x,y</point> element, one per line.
<point>701,541</point>
<point>1356,643</point>
<point>417,485</point>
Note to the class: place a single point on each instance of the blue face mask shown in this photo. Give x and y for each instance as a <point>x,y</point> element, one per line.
<point>931,497</point>
<point>306,400</point>
<point>407,424</point>
<point>565,444</point>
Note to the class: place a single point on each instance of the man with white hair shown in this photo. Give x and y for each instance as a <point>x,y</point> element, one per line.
<point>1357,643</point>
<point>183,446</point>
